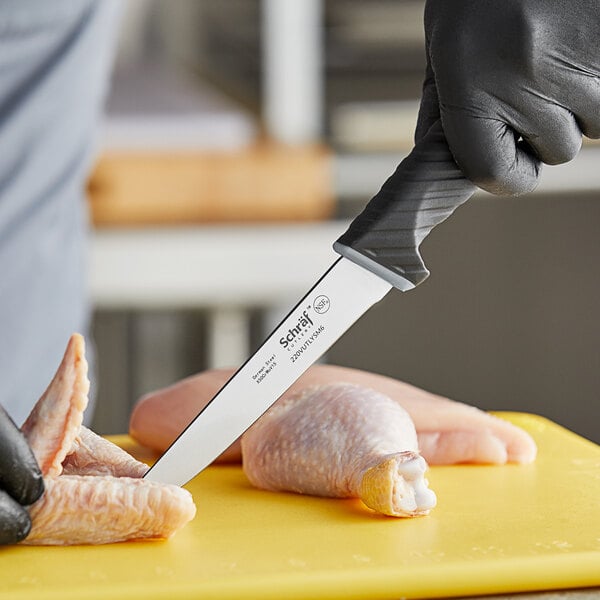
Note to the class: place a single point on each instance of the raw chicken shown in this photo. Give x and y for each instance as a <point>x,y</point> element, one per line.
<point>78,509</point>
<point>94,455</point>
<point>448,432</point>
<point>342,441</point>
<point>102,498</point>
<point>54,422</point>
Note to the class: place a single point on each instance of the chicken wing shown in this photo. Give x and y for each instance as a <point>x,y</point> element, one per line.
<point>94,492</point>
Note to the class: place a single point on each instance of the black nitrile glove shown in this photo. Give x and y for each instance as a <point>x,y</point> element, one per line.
<point>21,482</point>
<point>516,83</point>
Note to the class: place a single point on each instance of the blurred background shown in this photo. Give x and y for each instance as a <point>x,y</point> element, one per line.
<point>240,138</point>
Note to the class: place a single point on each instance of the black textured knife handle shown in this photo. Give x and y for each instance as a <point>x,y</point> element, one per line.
<point>424,190</point>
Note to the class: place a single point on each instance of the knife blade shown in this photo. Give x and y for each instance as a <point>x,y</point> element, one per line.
<point>380,250</point>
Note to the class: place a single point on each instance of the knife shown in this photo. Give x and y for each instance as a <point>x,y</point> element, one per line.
<point>379,251</point>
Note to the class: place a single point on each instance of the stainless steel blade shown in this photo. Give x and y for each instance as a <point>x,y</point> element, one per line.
<point>334,303</point>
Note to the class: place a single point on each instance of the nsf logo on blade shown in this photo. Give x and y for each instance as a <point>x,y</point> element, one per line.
<point>321,304</point>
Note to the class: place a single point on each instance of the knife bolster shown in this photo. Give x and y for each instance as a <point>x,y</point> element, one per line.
<point>362,260</point>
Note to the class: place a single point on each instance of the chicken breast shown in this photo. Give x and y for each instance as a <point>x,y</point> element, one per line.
<point>449,432</point>
<point>341,441</point>
<point>94,492</point>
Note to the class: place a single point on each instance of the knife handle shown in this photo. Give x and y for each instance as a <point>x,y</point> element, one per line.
<point>424,190</point>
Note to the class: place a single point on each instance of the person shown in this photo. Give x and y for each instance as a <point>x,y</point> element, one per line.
<point>516,84</point>
<point>55,60</point>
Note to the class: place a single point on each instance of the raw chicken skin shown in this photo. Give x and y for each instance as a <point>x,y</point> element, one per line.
<point>79,509</point>
<point>94,455</point>
<point>341,441</point>
<point>101,498</point>
<point>54,422</point>
<point>448,432</point>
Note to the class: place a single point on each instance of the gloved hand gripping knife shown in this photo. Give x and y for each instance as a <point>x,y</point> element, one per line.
<point>424,190</point>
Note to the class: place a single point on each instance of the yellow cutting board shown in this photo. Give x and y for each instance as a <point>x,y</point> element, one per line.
<point>495,529</point>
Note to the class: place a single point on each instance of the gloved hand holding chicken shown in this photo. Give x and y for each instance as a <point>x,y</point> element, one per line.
<point>21,482</point>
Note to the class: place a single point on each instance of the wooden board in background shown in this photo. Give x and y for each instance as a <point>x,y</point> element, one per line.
<point>267,182</point>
